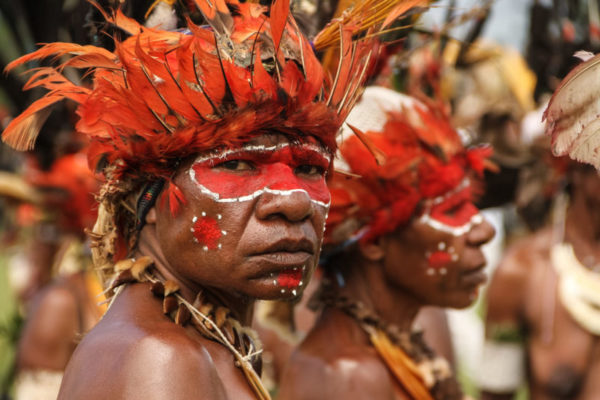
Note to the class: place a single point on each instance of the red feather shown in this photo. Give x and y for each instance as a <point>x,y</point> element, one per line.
<point>280,10</point>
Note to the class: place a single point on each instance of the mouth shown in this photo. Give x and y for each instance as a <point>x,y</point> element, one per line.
<point>287,245</point>
<point>474,277</point>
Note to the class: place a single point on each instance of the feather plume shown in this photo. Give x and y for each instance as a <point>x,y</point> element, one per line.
<point>280,10</point>
<point>401,366</point>
<point>573,113</point>
<point>364,16</point>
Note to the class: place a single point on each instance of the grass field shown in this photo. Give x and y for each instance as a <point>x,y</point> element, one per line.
<point>8,327</point>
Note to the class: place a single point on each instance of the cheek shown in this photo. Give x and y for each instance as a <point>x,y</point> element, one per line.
<point>441,258</point>
<point>207,231</point>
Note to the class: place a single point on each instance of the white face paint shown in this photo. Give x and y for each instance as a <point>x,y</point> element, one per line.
<point>452,213</point>
<point>264,169</point>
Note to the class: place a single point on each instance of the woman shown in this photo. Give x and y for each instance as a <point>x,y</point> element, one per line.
<point>214,143</point>
<point>404,234</point>
<point>65,305</point>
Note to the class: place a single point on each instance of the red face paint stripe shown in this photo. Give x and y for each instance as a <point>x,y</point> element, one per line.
<point>273,172</point>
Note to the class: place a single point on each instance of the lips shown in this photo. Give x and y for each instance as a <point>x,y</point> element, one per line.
<point>473,277</point>
<point>286,246</point>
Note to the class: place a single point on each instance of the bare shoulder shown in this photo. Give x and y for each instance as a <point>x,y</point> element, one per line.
<point>514,273</point>
<point>48,337</point>
<point>525,253</point>
<point>327,368</point>
<point>145,357</point>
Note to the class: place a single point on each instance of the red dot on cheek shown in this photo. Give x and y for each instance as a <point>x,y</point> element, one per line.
<point>207,232</point>
<point>439,259</point>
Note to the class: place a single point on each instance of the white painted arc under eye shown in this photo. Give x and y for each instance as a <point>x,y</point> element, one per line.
<point>216,196</point>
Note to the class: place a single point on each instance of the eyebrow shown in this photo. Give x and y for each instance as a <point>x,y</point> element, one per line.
<point>219,155</point>
<point>440,199</point>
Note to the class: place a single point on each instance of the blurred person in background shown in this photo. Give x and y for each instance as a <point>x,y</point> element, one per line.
<point>542,319</point>
<point>402,233</point>
<point>66,305</point>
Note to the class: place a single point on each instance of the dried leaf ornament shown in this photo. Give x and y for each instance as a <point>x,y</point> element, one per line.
<point>573,114</point>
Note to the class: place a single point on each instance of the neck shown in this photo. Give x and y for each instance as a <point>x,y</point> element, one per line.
<point>583,220</point>
<point>241,307</point>
<point>365,281</point>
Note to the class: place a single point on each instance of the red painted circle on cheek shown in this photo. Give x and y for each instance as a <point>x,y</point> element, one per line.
<point>439,259</point>
<point>207,232</point>
<point>289,279</point>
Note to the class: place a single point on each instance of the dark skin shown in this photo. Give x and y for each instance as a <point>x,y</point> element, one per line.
<point>563,357</point>
<point>136,352</point>
<point>59,314</point>
<point>349,367</point>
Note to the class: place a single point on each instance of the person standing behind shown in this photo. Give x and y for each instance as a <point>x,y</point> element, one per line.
<point>402,233</point>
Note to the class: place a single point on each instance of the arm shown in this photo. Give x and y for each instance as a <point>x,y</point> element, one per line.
<point>503,363</point>
<point>49,336</point>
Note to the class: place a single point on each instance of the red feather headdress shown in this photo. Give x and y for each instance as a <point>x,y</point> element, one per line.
<point>418,156</point>
<point>76,184</point>
<point>162,96</point>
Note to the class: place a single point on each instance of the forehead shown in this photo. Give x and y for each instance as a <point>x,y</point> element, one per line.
<point>266,146</point>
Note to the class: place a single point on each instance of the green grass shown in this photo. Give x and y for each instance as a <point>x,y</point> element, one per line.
<point>9,323</point>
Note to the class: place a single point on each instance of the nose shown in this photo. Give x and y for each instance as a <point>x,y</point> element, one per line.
<point>294,206</point>
<point>481,233</point>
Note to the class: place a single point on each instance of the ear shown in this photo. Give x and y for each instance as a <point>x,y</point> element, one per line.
<point>373,251</point>
<point>151,216</point>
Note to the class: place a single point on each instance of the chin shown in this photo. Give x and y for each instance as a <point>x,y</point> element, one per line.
<point>463,300</point>
<point>273,292</point>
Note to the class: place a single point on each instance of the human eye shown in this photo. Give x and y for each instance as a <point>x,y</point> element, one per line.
<point>310,170</point>
<point>235,165</point>
<point>452,211</point>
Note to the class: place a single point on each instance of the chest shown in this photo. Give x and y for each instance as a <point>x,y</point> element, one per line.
<point>563,357</point>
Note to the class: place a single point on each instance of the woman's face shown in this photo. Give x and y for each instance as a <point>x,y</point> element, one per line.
<point>437,257</point>
<point>253,220</point>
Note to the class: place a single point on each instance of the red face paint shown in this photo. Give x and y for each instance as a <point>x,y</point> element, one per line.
<point>454,212</point>
<point>280,170</point>
<point>207,232</point>
<point>439,259</point>
<point>289,279</point>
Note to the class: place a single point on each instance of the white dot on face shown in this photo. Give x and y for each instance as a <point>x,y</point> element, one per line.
<point>219,216</point>
<point>205,248</point>
<point>282,291</point>
<point>443,271</point>
<point>203,214</point>
<point>301,283</point>
<point>454,257</point>
<point>441,246</point>
<point>294,292</point>
<point>194,219</point>
<point>192,229</point>
<point>220,246</point>
<point>224,233</point>
<point>274,282</point>
<point>195,240</point>
<point>430,271</point>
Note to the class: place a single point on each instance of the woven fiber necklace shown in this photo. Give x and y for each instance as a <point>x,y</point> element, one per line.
<point>214,323</point>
